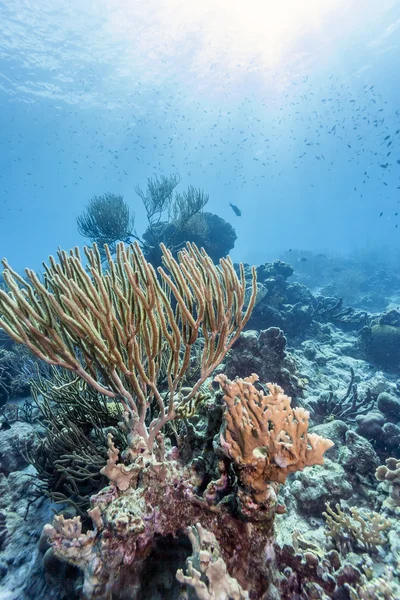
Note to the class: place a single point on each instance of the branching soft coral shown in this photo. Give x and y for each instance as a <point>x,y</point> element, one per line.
<point>127,331</point>
<point>366,530</point>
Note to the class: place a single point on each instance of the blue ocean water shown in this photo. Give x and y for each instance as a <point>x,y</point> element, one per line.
<point>282,110</point>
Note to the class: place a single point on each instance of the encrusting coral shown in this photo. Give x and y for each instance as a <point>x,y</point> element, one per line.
<point>130,335</point>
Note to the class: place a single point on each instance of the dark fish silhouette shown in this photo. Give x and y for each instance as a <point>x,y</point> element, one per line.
<point>235,209</point>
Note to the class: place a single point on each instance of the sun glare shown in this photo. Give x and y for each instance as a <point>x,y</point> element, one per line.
<point>232,30</point>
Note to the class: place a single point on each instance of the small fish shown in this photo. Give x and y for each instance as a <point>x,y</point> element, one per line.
<point>235,209</point>
<point>381,214</point>
<point>303,260</point>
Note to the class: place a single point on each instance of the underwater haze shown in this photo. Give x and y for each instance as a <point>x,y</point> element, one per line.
<point>287,110</point>
<point>200,300</point>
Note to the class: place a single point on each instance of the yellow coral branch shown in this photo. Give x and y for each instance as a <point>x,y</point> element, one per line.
<point>116,328</point>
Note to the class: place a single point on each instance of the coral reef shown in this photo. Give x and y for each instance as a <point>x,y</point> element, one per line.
<point>106,327</point>
<point>174,218</point>
<point>206,569</point>
<point>381,341</point>
<point>3,528</point>
<point>73,449</point>
<point>150,419</point>
<point>312,489</point>
<point>148,497</point>
<point>265,437</point>
<point>390,475</point>
<point>264,353</point>
<point>294,309</point>
<point>365,279</point>
<point>106,220</point>
<point>17,436</point>
<point>304,572</point>
<point>383,434</point>
<point>355,529</point>
<point>347,407</point>
<point>17,368</point>
<point>211,232</point>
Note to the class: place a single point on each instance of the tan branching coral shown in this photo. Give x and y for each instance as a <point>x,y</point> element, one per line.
<point>207,573</point>
<point>70,544</point>
<point>362,530</point>
<point>117,472</point>
<point>116,328</point>
<point>265,436</point>
<point>379,588</point>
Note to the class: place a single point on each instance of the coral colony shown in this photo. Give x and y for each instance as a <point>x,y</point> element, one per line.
<point>121,331</point>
